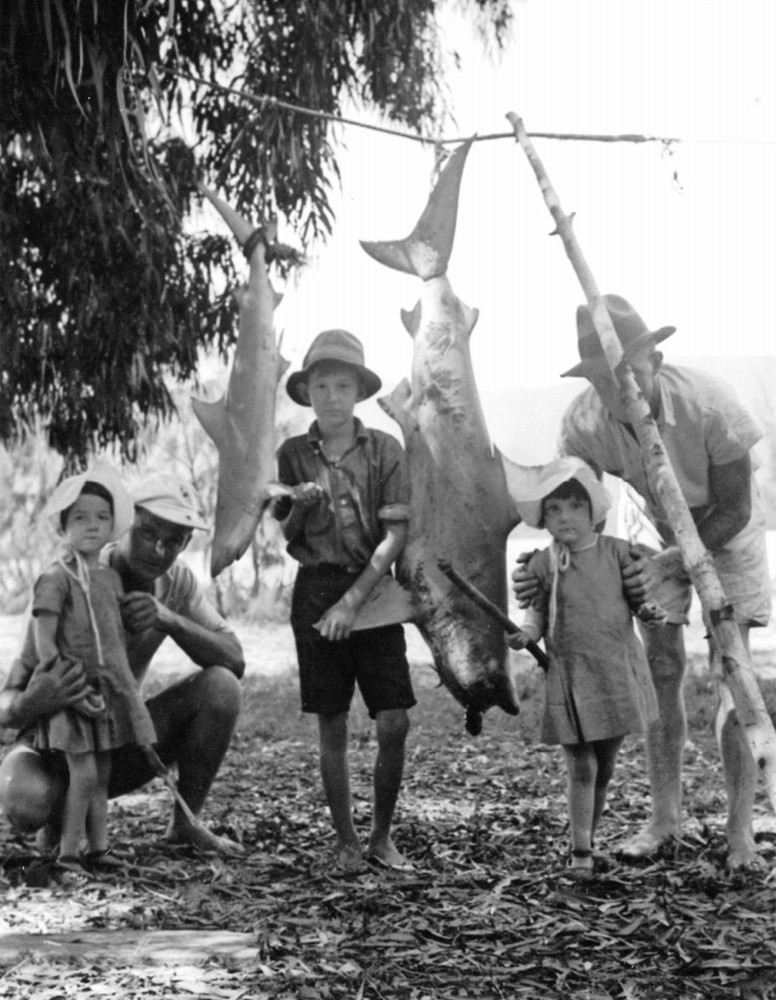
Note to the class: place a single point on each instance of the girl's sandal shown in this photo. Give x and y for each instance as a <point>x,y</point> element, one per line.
<point>70,863</point>
<point>102,861</point>
<point>581,872</point>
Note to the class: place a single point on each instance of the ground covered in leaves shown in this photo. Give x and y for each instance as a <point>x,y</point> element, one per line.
<point>488,913</point>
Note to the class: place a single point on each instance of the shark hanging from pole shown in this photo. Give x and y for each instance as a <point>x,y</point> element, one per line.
<point>242,423</point>
<point>463,490</point>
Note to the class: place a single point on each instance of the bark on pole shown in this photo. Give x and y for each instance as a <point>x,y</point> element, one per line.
<point>737,670</point>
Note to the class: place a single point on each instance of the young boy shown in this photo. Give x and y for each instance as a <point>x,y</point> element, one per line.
<point>346,524</point>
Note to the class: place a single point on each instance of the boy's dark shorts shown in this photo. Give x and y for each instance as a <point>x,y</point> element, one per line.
<point>375,658</point>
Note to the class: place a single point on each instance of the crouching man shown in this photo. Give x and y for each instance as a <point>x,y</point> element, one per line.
<point>194,718</point>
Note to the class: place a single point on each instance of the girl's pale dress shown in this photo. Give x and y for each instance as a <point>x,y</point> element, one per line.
<point>598,682</point>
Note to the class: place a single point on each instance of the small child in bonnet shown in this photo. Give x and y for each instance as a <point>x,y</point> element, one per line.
<point>598,687</point>
<point>75,615</point>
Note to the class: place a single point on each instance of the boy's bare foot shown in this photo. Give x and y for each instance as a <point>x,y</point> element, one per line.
<point>743,855</point>
<point>645,842</point>
<point>385,853</point>
<point>182,831</point>
<point>349,858</point>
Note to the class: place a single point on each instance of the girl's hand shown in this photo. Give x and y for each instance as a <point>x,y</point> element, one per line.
<point>517,640</point>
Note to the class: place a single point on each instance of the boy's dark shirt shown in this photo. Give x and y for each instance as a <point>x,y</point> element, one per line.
<point>366,487</point>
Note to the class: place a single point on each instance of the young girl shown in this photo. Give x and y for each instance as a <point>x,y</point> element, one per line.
<point>75,615</point>
<point>598,683</point>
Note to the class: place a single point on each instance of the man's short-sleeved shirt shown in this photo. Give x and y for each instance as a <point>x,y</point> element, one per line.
<point>701,422</point>
<point>178,590</point>
<point>363,490</point>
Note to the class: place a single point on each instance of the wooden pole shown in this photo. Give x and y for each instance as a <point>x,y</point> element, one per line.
<point>737,670</point>
<point>484,602</point>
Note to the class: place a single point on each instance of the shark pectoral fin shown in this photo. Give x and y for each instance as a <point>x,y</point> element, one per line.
<point>388,604</point>
<point>213,417</point>
<point>470,316</point>
<point>398,405</point>
<point>275,489</point>
<point>411,319</point>
<point>521,480</point>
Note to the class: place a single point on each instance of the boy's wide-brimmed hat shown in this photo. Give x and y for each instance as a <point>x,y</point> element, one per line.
<point>333,345</point>
<point>170,498</point>
<point>68,491</point>
<point>553,475</point>
<point>628,325</point>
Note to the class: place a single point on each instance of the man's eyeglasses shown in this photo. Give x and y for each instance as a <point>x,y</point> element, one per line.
<point>158,539</point>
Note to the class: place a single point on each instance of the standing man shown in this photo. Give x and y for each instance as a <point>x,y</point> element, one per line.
<point>194,718</point>
<point>708,436</point>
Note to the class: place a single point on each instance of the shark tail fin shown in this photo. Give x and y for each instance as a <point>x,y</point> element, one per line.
<point>426,251</point>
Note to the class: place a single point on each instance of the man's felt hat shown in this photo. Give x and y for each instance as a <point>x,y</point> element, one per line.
<point>68,491</point>
<point>170,498</point>
<point>333,345</point>
<point>553,475</point>
<point>628,325</point>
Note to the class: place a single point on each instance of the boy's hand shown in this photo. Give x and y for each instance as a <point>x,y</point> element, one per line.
<point>306,495</point>
<point>525,585</point>
<point>337,622</point>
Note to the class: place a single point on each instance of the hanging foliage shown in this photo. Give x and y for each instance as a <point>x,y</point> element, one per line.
<point>103,292</point>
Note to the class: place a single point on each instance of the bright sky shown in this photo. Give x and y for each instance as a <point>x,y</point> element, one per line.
<point>687,237</point>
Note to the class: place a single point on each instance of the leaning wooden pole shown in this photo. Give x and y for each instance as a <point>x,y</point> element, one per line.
<point>737,670</point>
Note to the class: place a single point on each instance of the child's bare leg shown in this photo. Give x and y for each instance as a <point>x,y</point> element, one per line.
<point>581,764</point>
<point>335,775</point>
<point>97,817</point>
<point>83,781</point>
<point>392,728</point>
<point>606,755</point>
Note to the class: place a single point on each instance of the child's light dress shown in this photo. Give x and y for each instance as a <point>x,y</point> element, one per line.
<point>125,719</point>
<point>598,682</point>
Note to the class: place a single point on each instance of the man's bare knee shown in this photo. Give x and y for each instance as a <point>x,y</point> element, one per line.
<point>222,690</point>
<point>665,655</point>
<point>29,793</point>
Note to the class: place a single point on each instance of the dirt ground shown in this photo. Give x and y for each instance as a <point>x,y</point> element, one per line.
<point>487,913</point>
